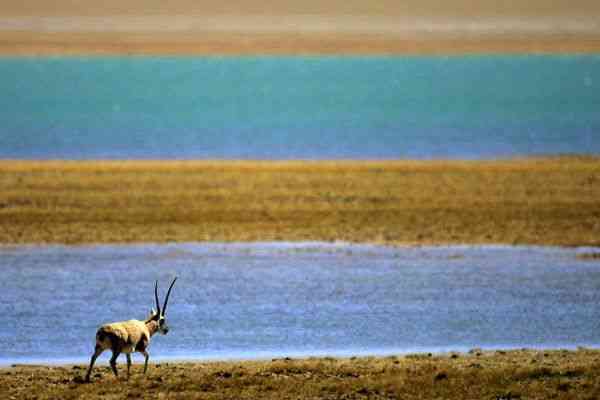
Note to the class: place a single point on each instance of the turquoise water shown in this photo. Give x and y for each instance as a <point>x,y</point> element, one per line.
<point>281,299</point>
<point>299,107</point>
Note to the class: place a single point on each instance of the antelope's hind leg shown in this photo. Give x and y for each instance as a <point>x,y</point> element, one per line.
<point>128,355</point>
<point>97,351</point>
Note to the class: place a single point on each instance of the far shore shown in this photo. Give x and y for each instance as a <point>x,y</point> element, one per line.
<point>24,43</point>
<point>532,201</point>
<point>513,374</point>
<point>293,27</point>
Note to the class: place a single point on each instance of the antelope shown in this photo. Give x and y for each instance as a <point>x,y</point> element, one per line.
<point>131,336</point>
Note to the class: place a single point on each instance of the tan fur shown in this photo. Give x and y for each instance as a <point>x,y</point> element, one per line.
<point>130,332</point>
<point>124,337</point>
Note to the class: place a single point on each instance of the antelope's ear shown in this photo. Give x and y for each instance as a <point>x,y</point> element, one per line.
<point>152,312</point>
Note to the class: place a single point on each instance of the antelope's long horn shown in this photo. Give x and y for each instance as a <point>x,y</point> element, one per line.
<point>164,309</point>
<point>156,297</point>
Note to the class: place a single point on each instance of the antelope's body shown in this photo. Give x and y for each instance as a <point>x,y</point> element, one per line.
<point>133,335</point>
<point>130,336</point>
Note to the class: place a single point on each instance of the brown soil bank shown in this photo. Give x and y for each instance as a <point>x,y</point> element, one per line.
<point>525,374</point>
<point>550,201</point>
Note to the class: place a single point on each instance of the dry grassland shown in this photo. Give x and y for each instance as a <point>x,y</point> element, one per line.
<point>477,375</point>
<point>552,201</point>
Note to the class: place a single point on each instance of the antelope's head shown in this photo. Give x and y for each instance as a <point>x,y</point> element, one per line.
<point>158,315</point>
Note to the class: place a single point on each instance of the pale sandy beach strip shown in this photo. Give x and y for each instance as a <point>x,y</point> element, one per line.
<point>398,26</point>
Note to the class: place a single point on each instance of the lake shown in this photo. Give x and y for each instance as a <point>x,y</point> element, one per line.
<point>473,107</point>
<point>235,301</point>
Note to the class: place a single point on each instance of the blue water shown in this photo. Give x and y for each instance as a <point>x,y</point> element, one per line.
<point>299,107</point>
<point>278,299</point>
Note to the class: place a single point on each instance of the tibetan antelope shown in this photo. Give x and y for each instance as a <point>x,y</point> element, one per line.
<point>131,336</point>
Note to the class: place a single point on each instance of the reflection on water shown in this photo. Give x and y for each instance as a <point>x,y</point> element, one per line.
<point>263,300</point>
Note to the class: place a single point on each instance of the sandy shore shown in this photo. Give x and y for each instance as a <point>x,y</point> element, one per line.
<point>519,374</point>
<point>547,201</point>
<point>285,43</point>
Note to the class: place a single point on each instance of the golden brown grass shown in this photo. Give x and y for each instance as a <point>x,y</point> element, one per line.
<point>554,201</point>
<point>478,375</point>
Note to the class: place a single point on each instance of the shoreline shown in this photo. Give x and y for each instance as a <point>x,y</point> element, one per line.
<point>376,48</point>
<point>536,201</point>
<point>266,356</point>
<point>478,373</point>
<point>299,245</point>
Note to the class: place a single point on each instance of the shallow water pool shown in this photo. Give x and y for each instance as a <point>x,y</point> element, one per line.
<point>282,299</point>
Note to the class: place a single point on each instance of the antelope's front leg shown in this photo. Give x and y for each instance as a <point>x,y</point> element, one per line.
<point>113,362</point>
<point>145,353</point>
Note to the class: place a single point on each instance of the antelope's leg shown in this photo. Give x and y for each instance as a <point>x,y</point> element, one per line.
<point>113,361</point>
<point>128,363</point>
<point>97,351</point>
<point>145,353</point>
